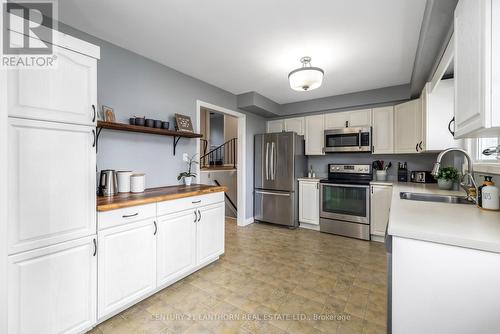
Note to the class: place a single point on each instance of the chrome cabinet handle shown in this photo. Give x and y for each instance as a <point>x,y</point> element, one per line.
<point>93,118</point>
<point>195,216</point>
<point>156,227</point>
<point>95,247</point>
<point>199,214</point>
<point>416,147</point>
<point>449,127</point>
<point>196,202</point>
<point>420,146</point>
<point>94,138</point>
<point>132,215</point>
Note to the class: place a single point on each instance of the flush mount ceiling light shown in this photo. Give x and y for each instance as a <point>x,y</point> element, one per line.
<point>306,77</point>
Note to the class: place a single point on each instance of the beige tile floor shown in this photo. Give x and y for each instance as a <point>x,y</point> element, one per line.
<point>271,280</point>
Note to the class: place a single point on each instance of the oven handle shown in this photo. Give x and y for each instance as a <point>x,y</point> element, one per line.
<point>345,185</point>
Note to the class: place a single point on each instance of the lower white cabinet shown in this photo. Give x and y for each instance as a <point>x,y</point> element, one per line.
<point>176,245</point>
<point>209,232</point>
<point>53,289</point>
<point>380,206</point>
<point>127,264</point>
<point>309,201</point>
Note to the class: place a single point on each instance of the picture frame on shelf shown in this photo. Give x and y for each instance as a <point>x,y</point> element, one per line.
<point>183,123</point>
<point>108,113</point>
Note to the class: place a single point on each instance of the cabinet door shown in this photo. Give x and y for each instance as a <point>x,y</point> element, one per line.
<point>295,124</point>
<point>176,245</point>
<point>66,93</point>
<point>315,134</point>
<point>309,202</point>
<point>383,130</point>
<point>407,127</point>
<point>275,126</point>
<point>380,206</point>
<point>360,118</point>
<point>336,120</point>
<point>53,289</point>
<point>210,233</point>
<point>51,183</point>
<point>127,265</point>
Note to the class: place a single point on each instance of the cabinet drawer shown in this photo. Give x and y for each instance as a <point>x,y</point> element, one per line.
<point>168,207</point>
<point>118,217</point>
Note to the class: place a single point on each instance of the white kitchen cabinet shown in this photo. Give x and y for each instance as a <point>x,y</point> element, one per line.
<point>314,134</point>
<point>176,245</point>
<point>309,201</point>
<point>66,93</point>
<point>344,119</point>
<point>437,113</point>
<point>477,68</point>
<point>127,265</point>
<point>383,130</point>
<point>51,183</point>
<point>53,289</point>
<point>275,126</point>
<point>380,206</point>
<point>209,233</point>
<point>408,127</point>
<point>295,124</point>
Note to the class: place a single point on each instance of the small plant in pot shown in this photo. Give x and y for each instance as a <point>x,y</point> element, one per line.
<point>446,177</point>
<point>188,176</point>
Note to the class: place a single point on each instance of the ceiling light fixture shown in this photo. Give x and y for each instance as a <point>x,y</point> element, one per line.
<point>306,77</point>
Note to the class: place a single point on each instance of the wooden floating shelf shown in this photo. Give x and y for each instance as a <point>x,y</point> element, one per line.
<point>144,129</point>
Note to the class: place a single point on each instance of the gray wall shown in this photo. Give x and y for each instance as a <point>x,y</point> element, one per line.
<point>135,85</point>
<point>216,130</point>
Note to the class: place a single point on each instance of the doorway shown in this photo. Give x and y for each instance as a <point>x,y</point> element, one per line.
<point>231,153</point>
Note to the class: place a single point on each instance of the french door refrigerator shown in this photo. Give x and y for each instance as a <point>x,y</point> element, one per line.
<point>279,160</point>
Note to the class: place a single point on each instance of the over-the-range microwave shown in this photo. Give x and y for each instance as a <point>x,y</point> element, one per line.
<point>348,140</point>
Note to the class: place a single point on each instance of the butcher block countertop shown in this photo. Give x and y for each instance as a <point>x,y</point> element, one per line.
<point>153,195</point>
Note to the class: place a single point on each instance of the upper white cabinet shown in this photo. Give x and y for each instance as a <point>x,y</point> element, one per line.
<point>176,245</point>
<point>314,134</point>
<point>437,115</point>
<point>53,289</point>
<point>309,201</point>
<point>354,118</point>
<point>209,232</point>
<point>380,206</point>
<point>477,68</point>
<point>127,265</point>
<point>66,93</point>
<point>383,130</point>
<point>51,183</point>
<point>408,127</point>
<point>295,124</point>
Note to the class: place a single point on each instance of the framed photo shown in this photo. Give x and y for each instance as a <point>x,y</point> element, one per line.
<point>108,113</point>
<point>183,123</point>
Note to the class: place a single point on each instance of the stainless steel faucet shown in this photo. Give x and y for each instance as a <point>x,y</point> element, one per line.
<point>471,183</point>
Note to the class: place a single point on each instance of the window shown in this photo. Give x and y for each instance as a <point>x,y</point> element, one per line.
<point>483,143</point>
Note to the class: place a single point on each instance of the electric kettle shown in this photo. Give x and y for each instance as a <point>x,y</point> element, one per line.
<point>108,184</point>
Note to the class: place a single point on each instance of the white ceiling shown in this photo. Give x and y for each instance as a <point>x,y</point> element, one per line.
<point>252,45</point>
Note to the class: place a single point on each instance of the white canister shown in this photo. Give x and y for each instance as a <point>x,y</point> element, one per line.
<point>124,181</point>
<point>381,175</point>
<point>137,182</point>
<point>490,197</point>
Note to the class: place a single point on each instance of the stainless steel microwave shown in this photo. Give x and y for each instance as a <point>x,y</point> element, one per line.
<point>348,140</point>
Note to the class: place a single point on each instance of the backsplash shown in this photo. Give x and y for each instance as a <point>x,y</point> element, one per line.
<point>423,161</point>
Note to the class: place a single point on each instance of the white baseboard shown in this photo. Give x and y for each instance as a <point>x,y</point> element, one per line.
<point>309,226</point>
<point>248,221</point>
<point>378,238</point>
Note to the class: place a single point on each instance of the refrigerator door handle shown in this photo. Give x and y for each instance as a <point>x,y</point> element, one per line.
<point>267,161</point>
<point>274,155</point>
<point>271,193</point>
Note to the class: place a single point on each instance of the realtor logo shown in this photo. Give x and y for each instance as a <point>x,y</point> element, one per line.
<point>28,34</point>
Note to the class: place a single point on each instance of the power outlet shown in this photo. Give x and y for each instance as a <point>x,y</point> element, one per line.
<point>185,157</point>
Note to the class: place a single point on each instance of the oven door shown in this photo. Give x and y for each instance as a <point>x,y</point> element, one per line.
<point>348,140</point>
<point>345,202</point>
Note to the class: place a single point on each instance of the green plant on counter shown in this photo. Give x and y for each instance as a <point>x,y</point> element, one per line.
<point>190,162</point>
<point>448,173</point>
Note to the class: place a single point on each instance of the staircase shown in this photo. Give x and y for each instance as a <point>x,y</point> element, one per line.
<point>221,157</point>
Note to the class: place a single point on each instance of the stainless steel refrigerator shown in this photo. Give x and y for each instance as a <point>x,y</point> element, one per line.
<point>279,160</point>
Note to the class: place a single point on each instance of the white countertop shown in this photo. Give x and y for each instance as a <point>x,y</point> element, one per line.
<point>453,224</point>
<point>313,179</point>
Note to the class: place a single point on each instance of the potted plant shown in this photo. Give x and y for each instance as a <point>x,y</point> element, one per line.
<point>188,176</point>
<point>446,177</point>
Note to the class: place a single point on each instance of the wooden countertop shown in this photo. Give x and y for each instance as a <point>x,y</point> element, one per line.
<point>123,200</point>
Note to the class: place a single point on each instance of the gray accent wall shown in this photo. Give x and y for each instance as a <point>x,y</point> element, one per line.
<point>134,85</point>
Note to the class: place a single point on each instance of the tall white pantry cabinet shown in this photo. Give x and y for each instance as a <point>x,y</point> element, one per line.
<point>51,203</point>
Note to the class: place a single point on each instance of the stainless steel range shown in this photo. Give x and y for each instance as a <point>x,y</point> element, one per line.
<point>345,201</point>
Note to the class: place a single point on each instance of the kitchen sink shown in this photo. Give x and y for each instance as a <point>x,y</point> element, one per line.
<point>434,198</point>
